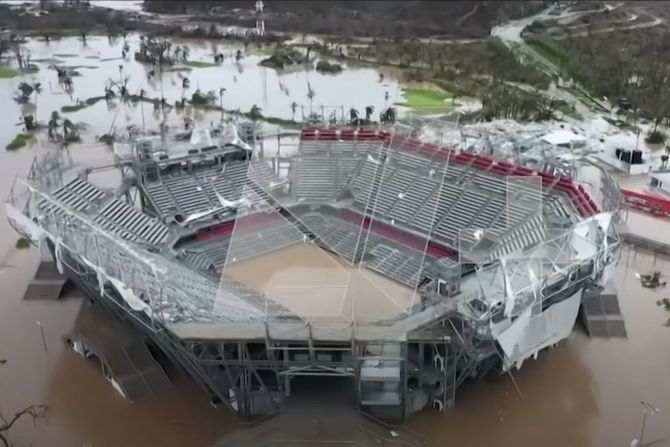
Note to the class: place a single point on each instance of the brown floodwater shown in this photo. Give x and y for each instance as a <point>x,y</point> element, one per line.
<point>585,392</point>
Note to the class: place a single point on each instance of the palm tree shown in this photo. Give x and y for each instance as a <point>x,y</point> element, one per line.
<point>353,115</point>
<point>67,128</point>
<point>255,113</point>
<point>369,110</point>
<point>25,90</point>
<point>294,107</point>
<point>388,116</point>
<point>37,89</point>
<point>221,92</point>
<point>53,125</point>
<point>310,95</point>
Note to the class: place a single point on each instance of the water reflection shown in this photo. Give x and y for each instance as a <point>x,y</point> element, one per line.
<point>98,60</point>
<point>555,406</point>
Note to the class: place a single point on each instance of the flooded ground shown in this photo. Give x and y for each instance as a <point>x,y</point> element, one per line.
<point>245,82</point>
<point>585,392</point>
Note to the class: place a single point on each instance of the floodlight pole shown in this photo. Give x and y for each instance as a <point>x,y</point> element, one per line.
<point>646,409</point>
<point>644,421</point>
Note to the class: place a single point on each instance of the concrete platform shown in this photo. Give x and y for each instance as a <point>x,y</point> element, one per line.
<point>48,283</point>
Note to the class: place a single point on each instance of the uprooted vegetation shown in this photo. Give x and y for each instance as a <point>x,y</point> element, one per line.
<point>81,104</point>
<point>484,60</point>
<point>283,57</point>
<point>328,67</point>
<point>508,102</point>
<point>19,141</point>
<point>376,18</point>
<point>159,51</point>
<point>631,67</point>
<point>35,412</point>
<point>22,243</point>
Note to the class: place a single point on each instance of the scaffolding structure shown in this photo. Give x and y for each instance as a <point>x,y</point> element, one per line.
<point>488,250</point>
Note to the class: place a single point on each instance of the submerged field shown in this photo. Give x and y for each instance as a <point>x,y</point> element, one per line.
<point>8,72</point>
<point>281,96</point>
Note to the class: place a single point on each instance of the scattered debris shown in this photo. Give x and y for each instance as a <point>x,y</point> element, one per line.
<point>106,138</point>
<point>651,280</point>
<point>23,243</point>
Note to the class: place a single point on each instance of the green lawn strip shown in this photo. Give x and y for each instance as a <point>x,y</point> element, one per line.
<point>199,64</point>
<point>8,72</point>
<point>19,141</point>
<point>418,98</point>
<point>177,69</point>
<point>263,51</point>
<point>76,107</point>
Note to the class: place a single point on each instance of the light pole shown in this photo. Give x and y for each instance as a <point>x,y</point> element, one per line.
<point>647,408</point>
<point>221,91</point>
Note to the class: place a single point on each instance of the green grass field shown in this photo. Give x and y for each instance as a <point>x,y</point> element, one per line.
<point>19,141</point>
<point>7,72</point>
<point>177,69</point>
<point>262,51</point>
<point>420,99</point>
<point>82,105</point>
<point>200,64</point>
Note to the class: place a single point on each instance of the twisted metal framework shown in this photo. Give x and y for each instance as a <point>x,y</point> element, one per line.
<point>245,353</point>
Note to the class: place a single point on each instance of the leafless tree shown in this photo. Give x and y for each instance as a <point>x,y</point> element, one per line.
<point>36,412</point>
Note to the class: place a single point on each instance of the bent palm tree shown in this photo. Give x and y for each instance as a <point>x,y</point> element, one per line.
<point>37,89</point>
<point>221,92</point>
<point>294,107</point>
<point>255,113</point>
<point>388,116</point>
<point>53,126</point>
<point>353,115</point>
<point>369,110</point>
<point>68,128</point>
